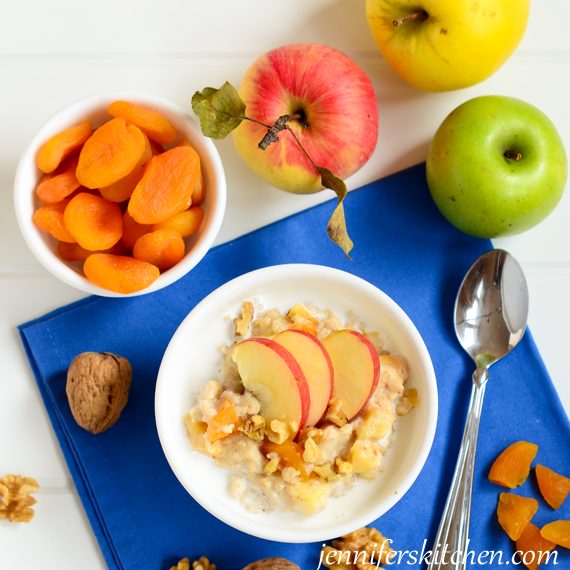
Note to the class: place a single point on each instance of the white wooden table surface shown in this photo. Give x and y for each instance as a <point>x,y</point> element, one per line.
<point>54,52</point>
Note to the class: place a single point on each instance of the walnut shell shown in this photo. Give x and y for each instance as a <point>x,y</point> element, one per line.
<point>98,385</point>
<point>272,564</point>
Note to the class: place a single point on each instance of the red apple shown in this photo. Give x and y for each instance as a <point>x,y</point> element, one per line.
<point>270,372</point>
<point>356,369</point>
<point>316,365</point>
<point>338,116</point>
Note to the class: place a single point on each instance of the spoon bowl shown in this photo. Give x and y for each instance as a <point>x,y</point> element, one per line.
<point>491,308</point>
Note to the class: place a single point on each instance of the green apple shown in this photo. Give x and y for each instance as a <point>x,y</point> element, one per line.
<point>439,45</point>
<point>496,166</point>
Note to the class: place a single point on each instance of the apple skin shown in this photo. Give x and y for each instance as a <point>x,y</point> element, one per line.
<point>337,102</point>
<point>477,188</point>
<point>301,386</point>
<point>320,393</point>
<point>341,347</point>
<point>458,44</point>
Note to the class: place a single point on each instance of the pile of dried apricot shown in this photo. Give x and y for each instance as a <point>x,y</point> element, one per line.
<point>122,198</point>
<point>514,512</point>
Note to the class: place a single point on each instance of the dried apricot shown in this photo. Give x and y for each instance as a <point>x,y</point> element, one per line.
<point>163,248</point>
<point>512,466</point>
<point>94,222</point>
<point>132,230</point>
<point>199,192</point>
<point>224,423</point>
<point>119,273</point>
<point>53,152</point>
<point>532,548</point>
<point>557,532</point>
<point>55,187</point>
<point>74,252</point>
<point>166,186</point>
<point>50,219</point>
<point>123,188</point>
<point>153,124</point>
<point>515,512</point>
<point>553,487</point>
<point>110,153</point>
<point>186,223</point>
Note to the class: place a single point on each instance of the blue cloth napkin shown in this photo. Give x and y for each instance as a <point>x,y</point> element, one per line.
<point>142,516</point>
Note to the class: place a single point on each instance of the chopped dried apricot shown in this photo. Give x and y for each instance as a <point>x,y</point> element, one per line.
<point>557,532</point>
<point>53,152</point>
<point>512,467</point>
<point>515,512</point>
<point>154,125</point>
<point>553,487</point>
<point>225,422</point>
<point>110,153</point>
<point>119,273</point>
<point>186,223</point>
<point>290,454</point>
<point>50,219</point>
<point>532,548</point>
<point>166,186</point>
<point>55,187</point>
<point>132,230</point>
<point>163,248</point>
<point>94,222</point>
<point>123,188</point>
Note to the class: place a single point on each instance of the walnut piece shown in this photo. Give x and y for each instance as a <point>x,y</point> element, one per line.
<point>201,564</point>
<point>15,499</point>
<point>364,549</point>
<point>254,427</point>
<point>272,564</point>
<point>98,385</point>
<point>336,414</point>
<point>242,322</point>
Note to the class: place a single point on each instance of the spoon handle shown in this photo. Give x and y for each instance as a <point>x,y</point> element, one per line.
<point>452,540</point>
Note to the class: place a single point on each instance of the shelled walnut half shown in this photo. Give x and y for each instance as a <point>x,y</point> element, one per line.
<point>272,564</point>
<point>15,499</point>
<point>363,549</point>
<point>201,564</point>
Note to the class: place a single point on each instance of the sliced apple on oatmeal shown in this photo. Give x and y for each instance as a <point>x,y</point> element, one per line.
<point>356,369</point>
<point>272,374</point>
<point>315,362</point>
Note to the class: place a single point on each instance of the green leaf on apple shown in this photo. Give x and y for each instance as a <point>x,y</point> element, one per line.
<point>336,227</point>
<point>220,110</point>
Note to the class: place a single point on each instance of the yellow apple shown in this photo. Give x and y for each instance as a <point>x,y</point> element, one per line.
<point>439,45</point>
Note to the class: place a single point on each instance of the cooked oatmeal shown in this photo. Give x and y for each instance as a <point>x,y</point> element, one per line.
<point>273,465</point>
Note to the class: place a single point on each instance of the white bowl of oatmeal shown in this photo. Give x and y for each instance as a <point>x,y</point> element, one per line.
<point>350,472</point>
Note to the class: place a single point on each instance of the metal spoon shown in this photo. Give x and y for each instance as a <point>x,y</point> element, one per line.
<point>490,319</point>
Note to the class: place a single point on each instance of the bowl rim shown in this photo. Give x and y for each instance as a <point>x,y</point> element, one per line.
<point>258,529</point>
<point>93,103</point>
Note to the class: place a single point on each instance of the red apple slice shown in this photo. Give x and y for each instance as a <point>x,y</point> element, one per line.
<point>316,365</point>
<point>356,369</point>
<point>272,374</point>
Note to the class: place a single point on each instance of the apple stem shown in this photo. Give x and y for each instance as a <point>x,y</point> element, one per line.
<point>513,155</point>
<point>418,15</point>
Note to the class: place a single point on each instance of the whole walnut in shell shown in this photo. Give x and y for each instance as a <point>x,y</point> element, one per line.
<point>98,385</point>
